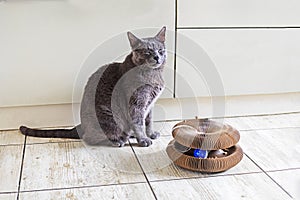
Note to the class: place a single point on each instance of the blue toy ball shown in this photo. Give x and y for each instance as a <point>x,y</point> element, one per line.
<point>199,153</point>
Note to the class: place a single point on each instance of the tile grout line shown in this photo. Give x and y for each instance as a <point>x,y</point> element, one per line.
<point>8,193</point>
<point>205,177</point>
<point>58,142</point>
<point>10,145</point>
<point>22,165</point>
<point>266,173</point>
<point>148,182</point>
<point>283,170</point>
<point>259,115</point>
<point>269,129</point>
<point>80,187</point>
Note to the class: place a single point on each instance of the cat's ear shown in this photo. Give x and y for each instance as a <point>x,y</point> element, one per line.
<point>133,40</point>
<point>161,35</point>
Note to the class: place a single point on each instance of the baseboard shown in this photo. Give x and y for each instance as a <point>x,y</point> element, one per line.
<point>36,116</point>
<point>165,109</point>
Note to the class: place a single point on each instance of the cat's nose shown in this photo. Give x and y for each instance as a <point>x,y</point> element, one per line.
<point>156,58</point>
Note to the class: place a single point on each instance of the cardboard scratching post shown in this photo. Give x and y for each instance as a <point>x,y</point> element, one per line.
<point>220,141</point>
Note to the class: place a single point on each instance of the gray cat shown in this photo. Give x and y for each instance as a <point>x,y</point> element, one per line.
<point>118,97</point>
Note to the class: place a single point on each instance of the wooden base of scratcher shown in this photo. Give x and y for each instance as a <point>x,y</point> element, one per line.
<point>209,165</point>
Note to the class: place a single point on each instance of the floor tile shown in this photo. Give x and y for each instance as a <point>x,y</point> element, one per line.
<point>11,137</point>
<point>273,149</point>
<point>289,180</point>
<point>57,165</point>
<point>10,164</point>
<point>38,140</point>
<point>131,191</point>
<point>158,166</point>
<point>10,196</point>
<point>265,122</point>
<point>240,123</point>
<point>249,186</point>
<point>165,128</point>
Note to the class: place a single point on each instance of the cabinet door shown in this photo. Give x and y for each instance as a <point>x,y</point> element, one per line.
<point>257,61</point>
<point>45,43</point>
<point>231,13</point>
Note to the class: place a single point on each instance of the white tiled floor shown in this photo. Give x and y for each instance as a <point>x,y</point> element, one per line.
<point>68,169</point>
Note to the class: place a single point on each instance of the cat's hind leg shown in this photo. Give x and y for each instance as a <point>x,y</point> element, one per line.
<point>115,134</point>
<point>122,139</point>
<point>95,137</point>
<point>120,142</point>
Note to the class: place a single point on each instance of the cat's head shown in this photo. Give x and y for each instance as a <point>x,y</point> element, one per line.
<point>148,51</point>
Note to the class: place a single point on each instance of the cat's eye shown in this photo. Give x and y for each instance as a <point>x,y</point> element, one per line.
<point>138,50</point>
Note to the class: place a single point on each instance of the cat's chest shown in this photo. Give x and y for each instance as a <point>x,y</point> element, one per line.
<point>143,75</point>
<point>155,94</point>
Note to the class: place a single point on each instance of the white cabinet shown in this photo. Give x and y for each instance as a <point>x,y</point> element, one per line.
<point>248,62</point>
<point>245,13</point>
<point>233,40</point>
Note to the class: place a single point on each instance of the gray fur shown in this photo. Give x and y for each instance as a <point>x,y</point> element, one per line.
<point>118,98</point>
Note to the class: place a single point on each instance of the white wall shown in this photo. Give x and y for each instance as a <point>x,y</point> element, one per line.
<point>254,46</point>
<point>44,43</point>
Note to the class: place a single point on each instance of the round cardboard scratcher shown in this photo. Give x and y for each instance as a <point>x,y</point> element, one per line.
<point>209,165</point>
<point>205,134</point>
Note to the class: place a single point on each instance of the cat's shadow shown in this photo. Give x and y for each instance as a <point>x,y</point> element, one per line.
<point>107,143</point>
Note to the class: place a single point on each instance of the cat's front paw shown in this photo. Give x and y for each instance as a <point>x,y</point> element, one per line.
<point>154,135</point>
<point>145,142</point>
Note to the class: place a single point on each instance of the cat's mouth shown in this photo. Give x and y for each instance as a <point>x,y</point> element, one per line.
<point>155,64</point>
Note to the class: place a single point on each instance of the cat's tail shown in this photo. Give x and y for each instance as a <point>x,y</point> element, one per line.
<point>73,133</point>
